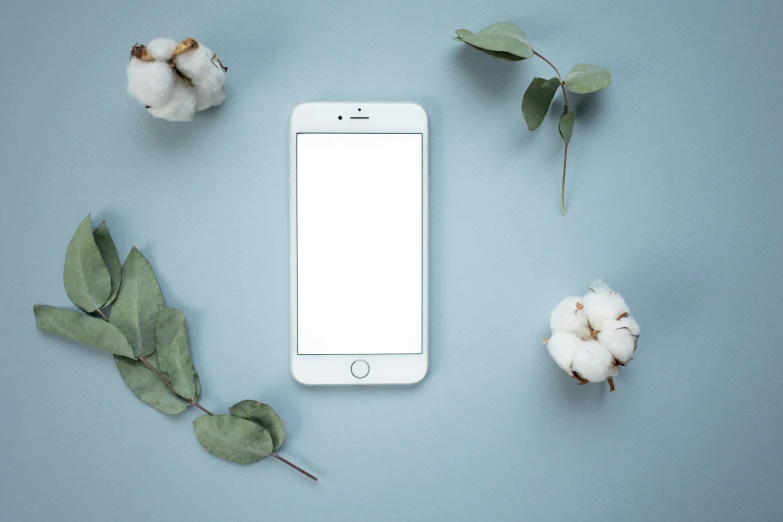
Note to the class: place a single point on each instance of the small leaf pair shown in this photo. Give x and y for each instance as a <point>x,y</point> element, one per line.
<point>582,79</point>
<point>250,432</point>
<point>92,268</point>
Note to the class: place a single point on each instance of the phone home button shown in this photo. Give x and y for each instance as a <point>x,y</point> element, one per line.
<point>360,369</point>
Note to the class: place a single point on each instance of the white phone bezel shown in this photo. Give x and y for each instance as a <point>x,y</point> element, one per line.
<point>392,117</point>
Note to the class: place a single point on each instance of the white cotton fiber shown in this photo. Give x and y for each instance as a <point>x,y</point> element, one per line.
<point>150,82</point>
<point>602,304</point>
<point>562,347</point>
<point>594,363</point>
<point>593,335</point>
<point>202,67</point>
<point>161,48</point>
<point>569,316</point>
<point>174,80</point>
<point>619,338</point>
<point>181,106</point>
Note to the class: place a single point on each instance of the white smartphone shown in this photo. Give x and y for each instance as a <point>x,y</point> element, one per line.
<point>359,175</point>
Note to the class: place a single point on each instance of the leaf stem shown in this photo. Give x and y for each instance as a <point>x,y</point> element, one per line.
<point>562,185</point>
<point>297,468</point>
<point>562,84</point>
<point>200,407</point>
<point>565,151</point>
<point>166,380</point>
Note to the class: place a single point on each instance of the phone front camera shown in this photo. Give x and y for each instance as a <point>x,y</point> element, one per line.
<point>339,117</point>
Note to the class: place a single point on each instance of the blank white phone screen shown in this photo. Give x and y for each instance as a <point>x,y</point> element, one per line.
<point>359,243</point>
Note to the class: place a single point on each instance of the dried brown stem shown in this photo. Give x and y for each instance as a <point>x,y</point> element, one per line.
<point>297,468</point>
<point>168,383</point>
<point>565,149</point>
<point>611,383</point>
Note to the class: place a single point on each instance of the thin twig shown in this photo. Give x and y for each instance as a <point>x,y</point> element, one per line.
<point>565,150</point>
<point>200,407</point>
<point>168,383</point>
<point>297,468</point>
<point>562,185</point>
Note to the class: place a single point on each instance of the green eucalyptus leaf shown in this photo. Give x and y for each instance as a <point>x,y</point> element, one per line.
<point>86,276</point>
<point>109,253</point>
<point>173,350</point>
<point>263,415</point>
<point>537,99</point>
<point>135,311</point>
<point>503,40</point>
<point>585,78</point>
<point>149,387</point>
<point>83,328</point>
<point>233,438</point>
<point>567,125</point>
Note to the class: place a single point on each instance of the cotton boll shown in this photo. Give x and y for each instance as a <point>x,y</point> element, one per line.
<point>602,304</point>
<point>161,48</point>
<point>181,106</point>
<point>619,339</point>
<point>569,316</point>
<point>594,363</point>
<point>150,82</point>
<point>200,64</point>
<point>562,346</point>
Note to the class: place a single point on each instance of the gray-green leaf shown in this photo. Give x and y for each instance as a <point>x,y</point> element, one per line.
<point>135,311</point>
<point>109,253</point>
<point>233,438</point>
<point>567,126</point>
<point>86,277</point>
<point>503,40</point>
<point>536,101</point>
<point>263,415</point>
<point>585,78</point>
<point>83,328</point>
<point>149,387</point>
<point>173,350</point>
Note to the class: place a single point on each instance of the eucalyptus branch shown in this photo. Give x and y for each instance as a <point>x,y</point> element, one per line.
<point>508,42</point>
<point>140,323</point>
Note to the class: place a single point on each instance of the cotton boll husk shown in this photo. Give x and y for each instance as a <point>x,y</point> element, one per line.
<point>207,75</point>
<point>150,82</point>
<point>593,362</point>
<point>562,347</point>
<point>161,48</point>
<point>568,316</point>
<point>601,304</point>
<point>181,106</point>
<point>630,323</point>
<point>619,338</point>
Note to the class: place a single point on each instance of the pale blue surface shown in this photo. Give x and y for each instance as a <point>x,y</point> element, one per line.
<point>674,198</point>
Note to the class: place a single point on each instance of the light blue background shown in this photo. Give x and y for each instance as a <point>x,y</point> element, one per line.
<point>674,198</point>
